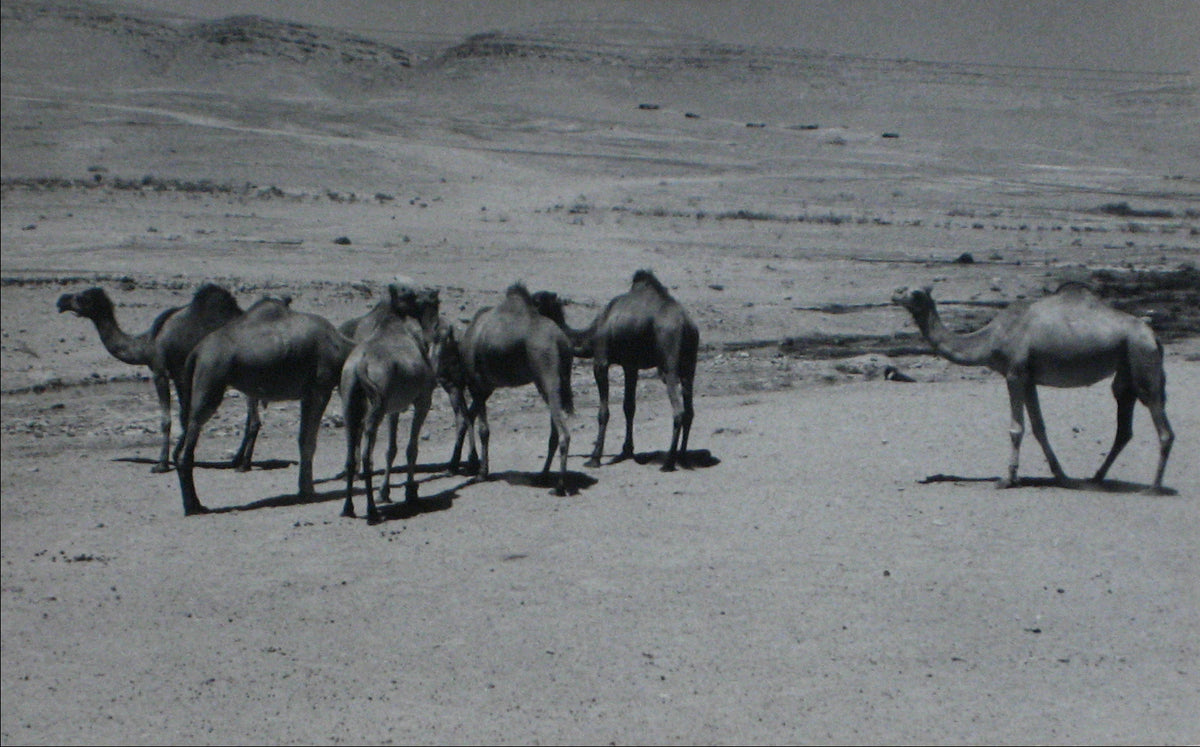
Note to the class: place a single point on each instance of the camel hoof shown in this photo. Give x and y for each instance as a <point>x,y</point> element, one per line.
<point>160,468</point>
<point>1004,483</point>
<point>349,513</point>
<point>593,462</point>
<point>373,518</point>
<point>196,510</point>
<point>668,467</point>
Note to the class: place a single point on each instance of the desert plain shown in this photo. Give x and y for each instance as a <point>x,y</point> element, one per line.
<point>834,565</point>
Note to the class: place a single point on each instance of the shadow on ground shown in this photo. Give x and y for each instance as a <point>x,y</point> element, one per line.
<point>1105,486</point>
<point>265,464</point>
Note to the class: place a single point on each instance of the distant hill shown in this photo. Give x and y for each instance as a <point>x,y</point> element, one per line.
<point>111,47</point>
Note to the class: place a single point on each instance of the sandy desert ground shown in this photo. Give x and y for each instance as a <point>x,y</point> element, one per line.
<point>803,582</point>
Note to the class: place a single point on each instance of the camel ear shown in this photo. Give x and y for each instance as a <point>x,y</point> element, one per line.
<point>927,290</point>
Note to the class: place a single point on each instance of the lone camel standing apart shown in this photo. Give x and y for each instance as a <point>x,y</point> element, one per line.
<point>1068,339</point>
<point>389,370</point>
<point>644,328</point>
<point>512,345</point>
<point>164,348</point>
<point>270,353</point>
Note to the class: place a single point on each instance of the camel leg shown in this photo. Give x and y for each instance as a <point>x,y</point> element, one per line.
<point>1126,399</point>
<point>465,427</point>
<point>564,448</point>
<point>630,408</point>
<point>686,389</point>
<point>352,408</point>
<point>600,370</point>
<point>371,428</point>
<point>460,429</point>
<point>479,416</point>
<point>201,410</point>
<point>385,493</point>
<point>183,395</point>
<point>560,440</point>
<point>312,407</point>
<point>1016,429</point>
<point>551,447</point>
<point>245,453</point>
<point>162,387</point>
<point>420,410</point>
<point>1166,437</point>
<point>671,379</point>
<point>1038,425</point>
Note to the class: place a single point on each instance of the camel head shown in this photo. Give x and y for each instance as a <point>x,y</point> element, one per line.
<point>549,305</point>
<point>421,304</point>
<point>918,301</point>
<point>92,303</point>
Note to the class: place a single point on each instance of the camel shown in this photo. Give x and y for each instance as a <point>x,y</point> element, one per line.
<point>402,301</point>
<point>644,328</point>
<point>270,353</point>
<point>512,345</point>
<point>1067,339</point>
<point>390,370</point>
<point>164,348</point>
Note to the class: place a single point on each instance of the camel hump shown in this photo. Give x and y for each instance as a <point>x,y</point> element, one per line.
<point>518,296</point>
<point>269,308</point>
<point>646,278</point>
<point>211,298</point>
<point>1077,287</point>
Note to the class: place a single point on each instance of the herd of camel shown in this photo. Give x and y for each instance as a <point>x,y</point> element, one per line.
<point>396,356</point>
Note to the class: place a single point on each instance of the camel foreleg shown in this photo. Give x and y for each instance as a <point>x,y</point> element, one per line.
<point>1038,425</point>
<point>1126,400</point>
<point>162,387</point>
<point>629,406</point>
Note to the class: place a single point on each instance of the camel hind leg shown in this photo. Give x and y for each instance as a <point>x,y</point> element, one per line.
<point>600,371</point>
<point>371,427</point>
<point>420,411</point>
<point>245,454</point>
<point>353,406</point>
<point>385,492</point>
<point>560,436</point>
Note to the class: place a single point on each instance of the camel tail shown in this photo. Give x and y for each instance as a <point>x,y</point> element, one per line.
<point>354,401</point>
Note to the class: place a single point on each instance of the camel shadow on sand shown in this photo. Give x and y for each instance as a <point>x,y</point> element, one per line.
<point>573,482</point>
<point>265,464</point>
<point>694,459</point>
<point>1081,485</point>
<point>400,509</point>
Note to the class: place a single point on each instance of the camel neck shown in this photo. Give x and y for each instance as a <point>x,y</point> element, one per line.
<point>970,349</point>
<point>122,346</point>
